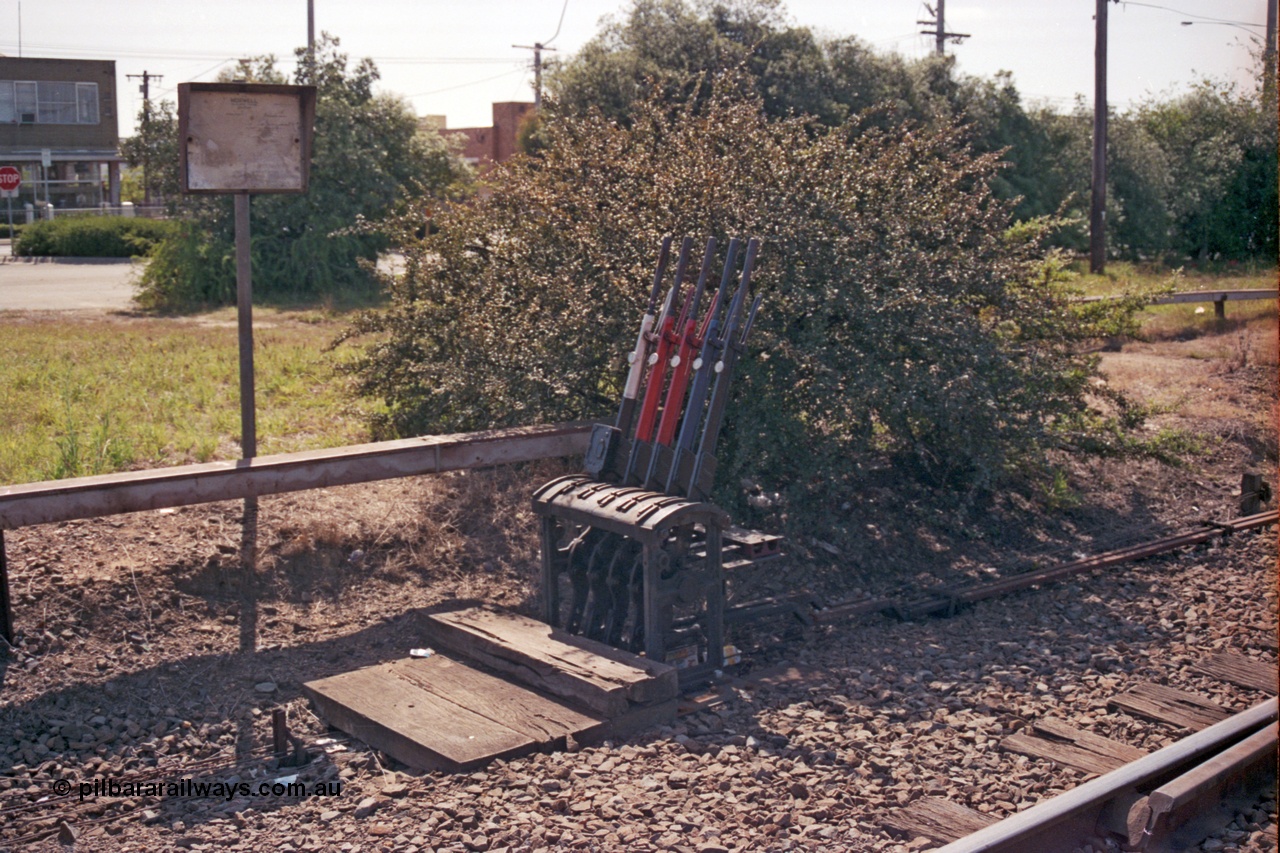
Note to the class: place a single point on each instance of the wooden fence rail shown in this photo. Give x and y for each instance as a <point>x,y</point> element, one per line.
<point>1219,298</point>
<point>157,488</point>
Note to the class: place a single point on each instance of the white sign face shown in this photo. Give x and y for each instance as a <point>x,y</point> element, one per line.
<point>245,140</point>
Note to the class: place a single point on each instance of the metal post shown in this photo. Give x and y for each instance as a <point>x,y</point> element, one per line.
<point>279,732</point>
<point>715,596</point>
<point>1098,206</point>
<point>244,304</point>
<point>655,647</point>
<point>6,604</point>
<point>550,577</point>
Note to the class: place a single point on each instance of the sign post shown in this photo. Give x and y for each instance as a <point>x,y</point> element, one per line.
<point>242,138</point>
<point>10,180</point>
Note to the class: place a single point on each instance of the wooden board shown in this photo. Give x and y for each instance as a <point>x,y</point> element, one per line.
<point>131,491</point>
<point>1167,705</point>
<point>592,674</point>
<point>439,714</point>
<point>1071,747</point>
<point>531,714</point>
<point>938,820</point>
<point>1241,670</point>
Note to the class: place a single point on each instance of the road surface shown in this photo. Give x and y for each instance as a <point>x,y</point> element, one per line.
<point>85,284</point>
<point>65,284</point>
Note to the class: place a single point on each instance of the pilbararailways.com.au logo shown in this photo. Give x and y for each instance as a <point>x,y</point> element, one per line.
<point>194,789</point>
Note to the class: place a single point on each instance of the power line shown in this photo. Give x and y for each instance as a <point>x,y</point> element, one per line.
<point>519,70</point>
<point>203,55</point>
<point>1190,14</point>
<point>168,90</point>
<point>563,9</point>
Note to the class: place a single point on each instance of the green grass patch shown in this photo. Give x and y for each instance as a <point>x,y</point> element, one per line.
<point>84,397</point>
<point>1191,320</point>
<point>1123,277</point>
<point>1188,319</point>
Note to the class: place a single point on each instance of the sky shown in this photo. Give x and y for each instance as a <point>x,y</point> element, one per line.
<point>456,58</point>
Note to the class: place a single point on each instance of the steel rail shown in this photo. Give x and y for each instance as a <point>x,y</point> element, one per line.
<point>947,598</point>
<point>1061,822</point>
<point>1181,812</point>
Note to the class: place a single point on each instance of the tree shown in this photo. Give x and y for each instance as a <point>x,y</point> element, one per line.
<point>902,318</point>
<point>678,48</point>
<point>1139,187</point>
<point>369,158</point>
<point>154,150</point>
<point>1221,149</point>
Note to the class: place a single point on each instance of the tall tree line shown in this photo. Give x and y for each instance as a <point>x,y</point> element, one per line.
<point>1191,175</point>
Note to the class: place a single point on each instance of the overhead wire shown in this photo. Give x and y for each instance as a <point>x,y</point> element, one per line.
<point>519,70</point>
<point>1190,14</point>
<point>563,9</point>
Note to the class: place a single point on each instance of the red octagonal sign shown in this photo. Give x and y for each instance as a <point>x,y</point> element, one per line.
<point>10,178</point>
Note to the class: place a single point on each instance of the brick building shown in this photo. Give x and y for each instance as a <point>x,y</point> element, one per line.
<point>484,146</point>
<point>58,124</point>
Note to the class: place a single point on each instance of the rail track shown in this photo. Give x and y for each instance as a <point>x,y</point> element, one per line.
<point>1165,801</point>
<point>1139,802</point>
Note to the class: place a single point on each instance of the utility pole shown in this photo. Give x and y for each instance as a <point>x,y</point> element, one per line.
<point>145,89</point>
<point>1269,58</point>
<point>537,47</point>
<point>1098,193</point>
<point>939,33</point>
<point>311,41</point>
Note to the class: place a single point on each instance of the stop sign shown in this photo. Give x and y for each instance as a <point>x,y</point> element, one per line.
<point>10,178</point>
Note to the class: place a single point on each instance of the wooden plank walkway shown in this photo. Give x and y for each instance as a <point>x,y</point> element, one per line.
<point>1071,747</point>
<point>453,712</point>
<point>438,714</point>
<point>1241,671</point>
<point>1167,705</point>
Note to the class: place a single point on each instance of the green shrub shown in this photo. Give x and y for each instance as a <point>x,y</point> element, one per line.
<point>189,270</point>
<point>93,237</point>
<point>903,320</point>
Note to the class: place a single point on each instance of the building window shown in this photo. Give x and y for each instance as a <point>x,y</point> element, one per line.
<point>87,103</point>
<point>48,102</point>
